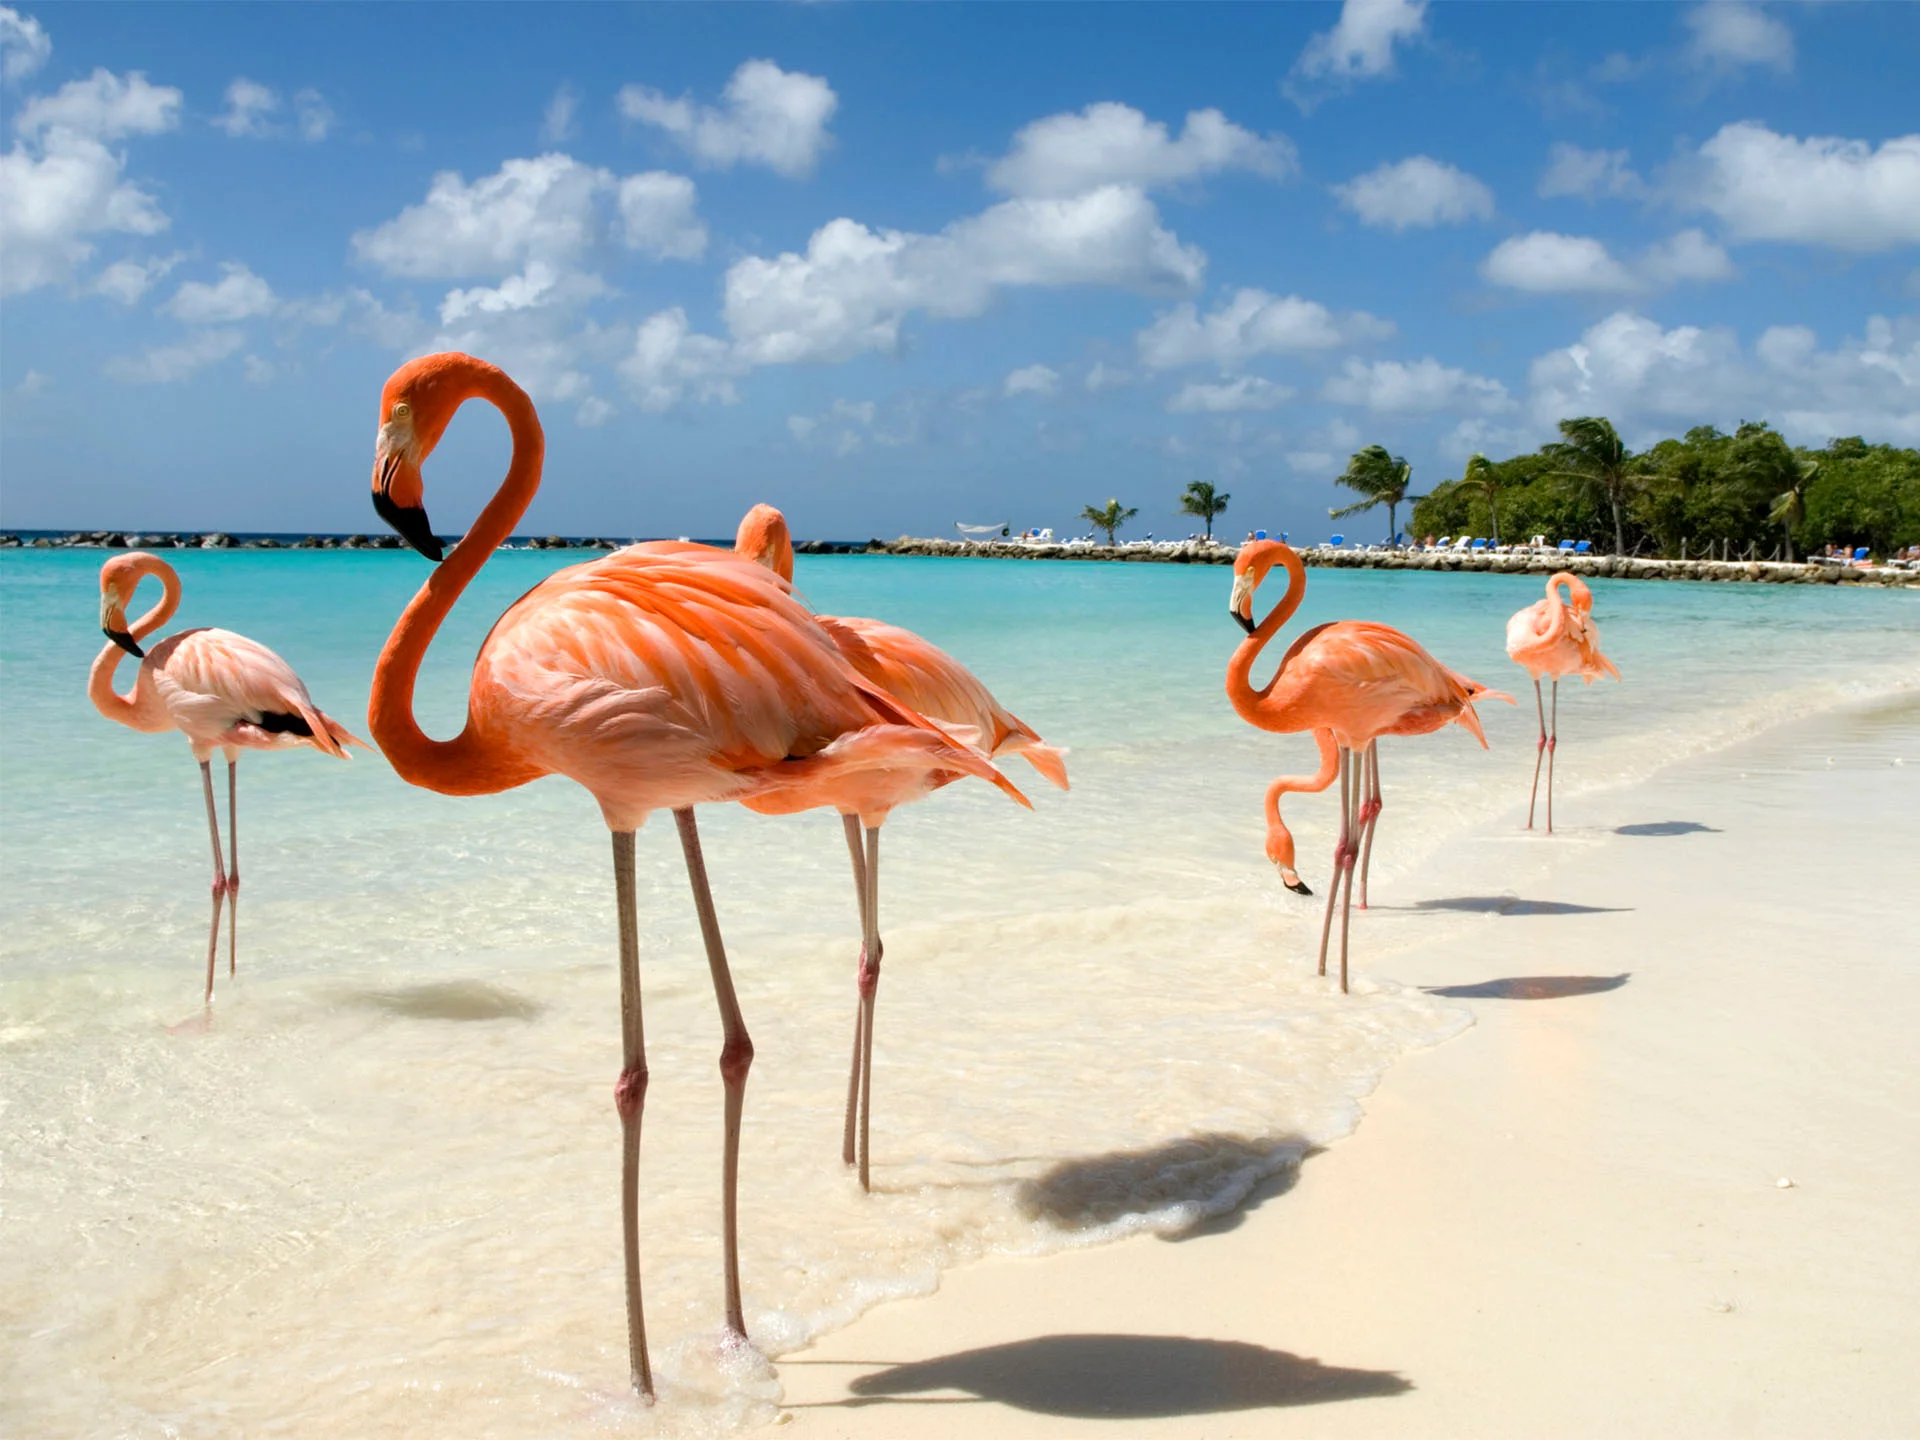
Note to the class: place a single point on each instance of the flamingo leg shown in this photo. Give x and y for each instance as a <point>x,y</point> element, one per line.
<point>1369,815</point>
<point>869,992</point>
<point>1339,856</point>
<point>1346,903</point>
<point>736,1057</point>
<point>852,824</point>
<point>630,1098</point>
<point>219,874</point>
<point>1553,743</point>
<point>233,865</point>
<point>1539,750</point>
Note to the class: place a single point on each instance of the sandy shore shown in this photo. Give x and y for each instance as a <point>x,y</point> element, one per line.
<point>1569,1220</point>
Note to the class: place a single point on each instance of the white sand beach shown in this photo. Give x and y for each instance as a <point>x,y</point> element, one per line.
<point>1666,1185</point>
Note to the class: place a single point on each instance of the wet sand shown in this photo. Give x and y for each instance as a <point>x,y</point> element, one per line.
<point>1570,1219</point>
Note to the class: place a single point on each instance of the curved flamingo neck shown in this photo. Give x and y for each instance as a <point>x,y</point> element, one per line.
<point>1279,837</point>
<point>470,763</point>
<point>1247,700</point>
<point>126,709</point>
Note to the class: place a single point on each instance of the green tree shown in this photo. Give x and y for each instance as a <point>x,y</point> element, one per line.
<point>1482,477</point>
<point>1109,518</point>
<point>1204,501</point>
<point>1381,478</point>
<point>1592,457</point>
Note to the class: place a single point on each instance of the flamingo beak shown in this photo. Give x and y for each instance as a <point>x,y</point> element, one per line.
<point>1246,622</point>
<point>397,496</point>
<point>1240,606</point>
<point>113,625</point>
<point>1298,887</point>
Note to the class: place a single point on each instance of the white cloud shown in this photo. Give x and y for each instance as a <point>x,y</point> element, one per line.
<point>767,116</point>
<point>1392,386</point>
<point>1311,462</point>
<point>532,286</point>
<point>32,383</point>
<point>1547,263</point>
<point>1104,377</point>
<point>1249,392</point>
<point>313,115</point>
<point>51,202</point>
<point>1032,380</point>
<point>1689,255</point>
<point>1416,191</point>
<point>593,412</point>
<point>545,210</point>
<point>256,371</point>
<point>1644,377</point>
<point>556,125</point>
<point>802,426</point>
<point>104,106</point>
<point>249,103</point>
<point>1251,323</point>
<point>1590,174</point>
<point>24,45</point>
<point>1359,47</point>
<point>852,289</point>
<point>668,359</point>
<point>1113,144</point>
<point>162,365</point>
<point>127,280</point>
<point>1820,191</point>
<point>659,215</point>
<point>1729,34</point>
<point>238,295</point>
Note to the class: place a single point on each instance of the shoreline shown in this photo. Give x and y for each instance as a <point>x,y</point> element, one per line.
<point>1185,552</point>
<point>1626,1168</point>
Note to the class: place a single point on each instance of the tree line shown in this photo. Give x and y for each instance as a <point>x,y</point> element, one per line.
<point>1681,496</point>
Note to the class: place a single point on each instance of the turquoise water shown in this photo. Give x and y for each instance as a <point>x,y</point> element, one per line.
<point>379,1192</point>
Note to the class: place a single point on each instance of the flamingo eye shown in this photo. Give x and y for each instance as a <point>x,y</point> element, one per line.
<point>402,410</point>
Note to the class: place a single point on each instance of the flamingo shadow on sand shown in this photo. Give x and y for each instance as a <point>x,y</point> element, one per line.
<point>1198,1185</point>
<point>1511,905</point>
<point>1125,1377</point>
<point>449,1000</point>
<point>1531,987</point>
<point>1667,827</point>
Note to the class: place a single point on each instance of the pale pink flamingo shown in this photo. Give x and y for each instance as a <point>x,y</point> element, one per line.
<point>662,676</point>
<point>1556,637</point>
<point>221,690</point>
<point>925,678</point>
<point>1350,682</point>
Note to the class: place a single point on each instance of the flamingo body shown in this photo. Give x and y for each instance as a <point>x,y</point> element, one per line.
<point>1553,639</point>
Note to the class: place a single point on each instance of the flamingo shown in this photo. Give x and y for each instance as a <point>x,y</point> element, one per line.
<point>1349,682</point>
<point>220,690</point>
<point>662,676</point>
<point>924,677</point>
<point>1556,637</point>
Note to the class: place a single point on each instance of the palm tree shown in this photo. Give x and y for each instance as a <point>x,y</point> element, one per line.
<point>1592,455</point>
<point>1109,519</point>
<point>1789,510</point>
<point>1382,478</point>
<point>1483,476</point>
<point>1203,500</point>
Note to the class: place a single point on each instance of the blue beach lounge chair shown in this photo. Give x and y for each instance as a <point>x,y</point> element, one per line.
<point>1565,547</point>
<point>1585,547</point>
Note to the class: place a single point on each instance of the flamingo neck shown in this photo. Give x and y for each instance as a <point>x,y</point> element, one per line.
<point>127,709</point>
<point>471,763</point>
<point>1247,700</point>
<point>1279,838</point>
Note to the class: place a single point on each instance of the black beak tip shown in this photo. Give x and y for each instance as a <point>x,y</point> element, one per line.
<point>1299,887</point>
<point>410,524</point>
<point>126,642</point>
<point>1244,622</point>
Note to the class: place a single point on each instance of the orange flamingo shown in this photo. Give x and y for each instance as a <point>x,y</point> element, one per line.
<point>1556,637</point>
<point>925,678</point>
<point>662,676</point>
<point>220,690</point>
<point>1350,682</point>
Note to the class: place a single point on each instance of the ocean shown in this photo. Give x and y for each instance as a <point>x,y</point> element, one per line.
<point>378,1194</point>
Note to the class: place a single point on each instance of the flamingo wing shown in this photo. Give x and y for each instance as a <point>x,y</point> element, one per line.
<point>1375,680</point>
<point>222,688</point>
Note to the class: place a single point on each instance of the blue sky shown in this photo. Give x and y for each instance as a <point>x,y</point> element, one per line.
<point>895,266</point>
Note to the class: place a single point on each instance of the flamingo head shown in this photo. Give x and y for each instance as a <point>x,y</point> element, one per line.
<point>1250,567</point>
<point>763,536</point>
<point>119,578</point>
<point>416,407</point>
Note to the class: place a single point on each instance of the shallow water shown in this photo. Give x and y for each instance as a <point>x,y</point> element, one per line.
<point>378,1195</point>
